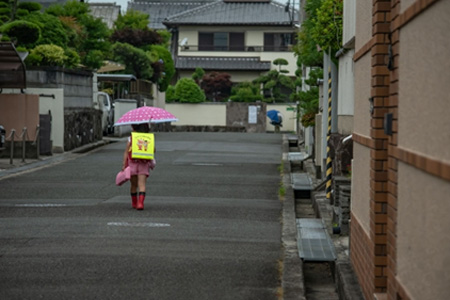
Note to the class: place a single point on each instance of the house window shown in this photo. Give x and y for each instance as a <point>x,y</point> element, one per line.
<point>278,41</point>
<point>221,41</point>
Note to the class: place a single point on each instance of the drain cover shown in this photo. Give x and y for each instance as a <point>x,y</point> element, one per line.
<point>314,243</point>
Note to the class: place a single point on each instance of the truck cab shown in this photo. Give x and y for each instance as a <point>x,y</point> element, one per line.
<point>105,105</point>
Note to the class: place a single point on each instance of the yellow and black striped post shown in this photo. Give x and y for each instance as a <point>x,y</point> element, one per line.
<point>329,162</point>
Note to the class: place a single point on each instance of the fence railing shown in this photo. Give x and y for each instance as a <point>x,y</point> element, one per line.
<point>266,48</point>
<point>22,139</point>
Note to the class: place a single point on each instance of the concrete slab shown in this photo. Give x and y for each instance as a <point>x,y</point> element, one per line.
<point>301,182</point>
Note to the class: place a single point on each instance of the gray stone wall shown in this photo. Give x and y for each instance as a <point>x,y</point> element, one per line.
<point>82,126</point>
<point>77,84</point>
<point>238,116</point>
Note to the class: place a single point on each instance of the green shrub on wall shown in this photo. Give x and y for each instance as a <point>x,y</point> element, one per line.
<point>245,92</point>
<point>187,91</point>
<point>46,55</point>
<point>170,94</point>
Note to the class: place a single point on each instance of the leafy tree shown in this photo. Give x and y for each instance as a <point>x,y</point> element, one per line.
<point>7,11</point>
<point>187,91</point>
<point>136,37</point>
<point>321,31</point>
<point>246,92</point>
<point>306,48</point>
<point>52,30</point>
<point>281,62</point>
<point>132,19</point>
<point>72,58</point>
<point>309,100</point>
<point>71,8</point>
<point>95,35</point>
<point>327,29</point>
<point>86,33</point>
<point>163,67</point>
<point>24,32</point>
<point>94,59</point>
<point>30,6</point>
<point>217,86</point>
<point>165,37</point>
<point>198,75</point>
<point>273,84</point>
<point>136,60</point>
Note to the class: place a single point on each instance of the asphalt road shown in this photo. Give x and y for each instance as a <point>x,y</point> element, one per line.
<point>210,229</point>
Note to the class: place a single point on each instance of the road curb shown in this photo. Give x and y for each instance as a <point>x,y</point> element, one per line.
<point>292,275</point>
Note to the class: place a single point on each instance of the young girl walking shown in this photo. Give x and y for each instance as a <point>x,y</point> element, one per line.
<point>139,170</point>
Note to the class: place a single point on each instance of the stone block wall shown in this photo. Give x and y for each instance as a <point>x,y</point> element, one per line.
<point>82,126</point>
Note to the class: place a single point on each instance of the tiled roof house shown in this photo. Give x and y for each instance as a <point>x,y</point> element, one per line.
<point>240,37</point>
<point>159,10</point>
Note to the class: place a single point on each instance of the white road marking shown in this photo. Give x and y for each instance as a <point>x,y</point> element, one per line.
<point>127,224</point>
<point>40,205</point>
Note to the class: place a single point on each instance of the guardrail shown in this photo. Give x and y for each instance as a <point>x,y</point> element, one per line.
<point>22,138</point>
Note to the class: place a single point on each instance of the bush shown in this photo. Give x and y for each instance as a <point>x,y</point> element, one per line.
<point>20,13</point>
<point>170,94</point>
<point>94,59</point>
<point>73,59</point>
<point>46,55</point>
<point>30,6</point>
<point>26,33</point>
<point>5,11</point>
<point>217,86</point>
<point>187,91</point>
<point>245,92</point>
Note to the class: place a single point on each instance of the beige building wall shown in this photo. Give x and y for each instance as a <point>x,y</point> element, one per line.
<point>363,30</point>
<point>345,124</point>
<point>360,204</point>
<point>214,114</point>
<point>424,87</point>
<point>423,242</point>
<point>362,95</point>
<point>205,114</point>
<point>346,91</point>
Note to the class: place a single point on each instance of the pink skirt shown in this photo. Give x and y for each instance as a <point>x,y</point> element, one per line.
<point>139,167</point>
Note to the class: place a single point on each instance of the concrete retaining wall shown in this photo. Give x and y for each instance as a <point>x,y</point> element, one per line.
<point>77,84</point>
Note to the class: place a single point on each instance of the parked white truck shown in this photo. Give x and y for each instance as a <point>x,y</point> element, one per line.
<point>105,105</point>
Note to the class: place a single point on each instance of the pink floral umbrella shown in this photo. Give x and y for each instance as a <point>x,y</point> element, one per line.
<point>146,114</point>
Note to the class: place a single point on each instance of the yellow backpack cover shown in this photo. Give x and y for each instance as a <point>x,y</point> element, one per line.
<point>142,145</point>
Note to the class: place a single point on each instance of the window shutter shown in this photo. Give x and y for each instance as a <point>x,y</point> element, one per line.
<point>237,41</point>
<point>205,41</point>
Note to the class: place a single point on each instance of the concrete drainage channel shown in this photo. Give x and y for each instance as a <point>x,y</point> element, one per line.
<point>315,247</point>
